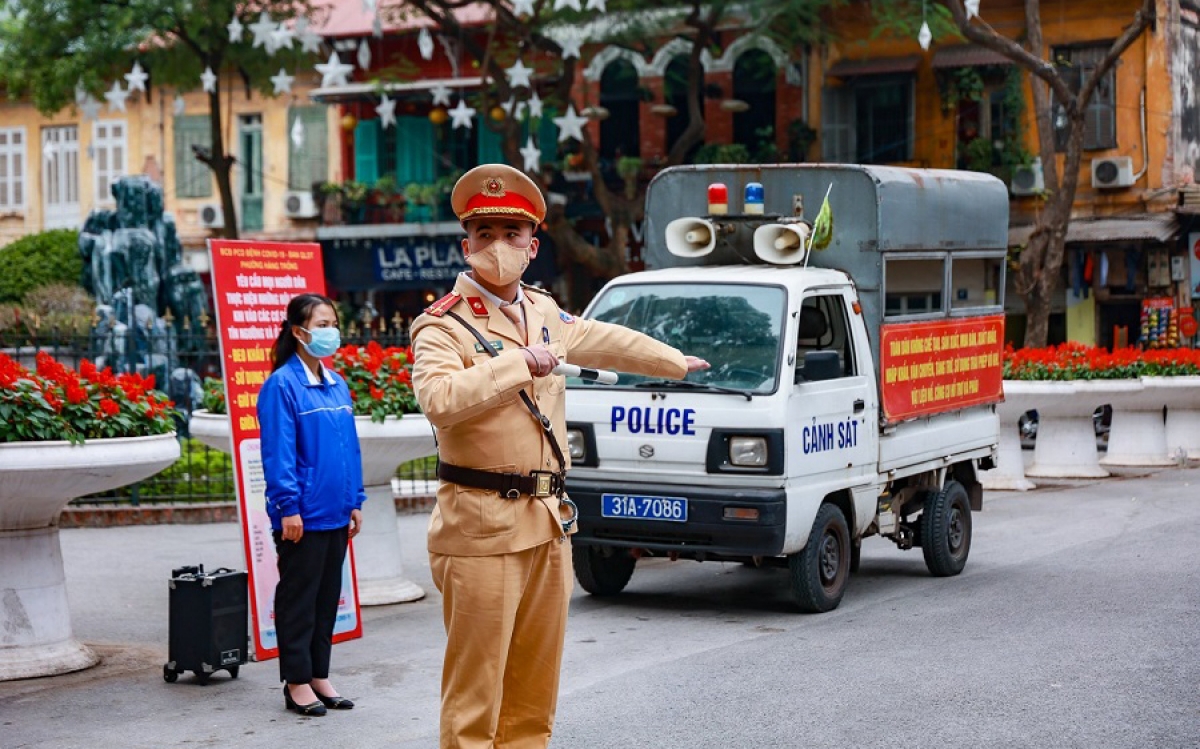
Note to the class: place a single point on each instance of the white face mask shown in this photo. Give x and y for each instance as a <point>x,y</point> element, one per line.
<point>500,264</point>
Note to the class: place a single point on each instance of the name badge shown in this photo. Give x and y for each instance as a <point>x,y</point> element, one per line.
<point>498,345</point>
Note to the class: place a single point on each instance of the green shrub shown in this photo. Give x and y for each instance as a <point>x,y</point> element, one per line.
<point>37,260</point>
<point>200,475</point>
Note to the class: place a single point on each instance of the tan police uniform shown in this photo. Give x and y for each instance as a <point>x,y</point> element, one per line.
<point>503,564</point>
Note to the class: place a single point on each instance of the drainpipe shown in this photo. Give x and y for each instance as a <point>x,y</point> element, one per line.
<point>1145,146</point>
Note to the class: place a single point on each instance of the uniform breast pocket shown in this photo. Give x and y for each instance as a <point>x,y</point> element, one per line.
<point>482,513</point>
<point>556,384</point>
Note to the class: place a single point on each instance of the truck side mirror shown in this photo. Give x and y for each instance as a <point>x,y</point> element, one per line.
<point>820,366</point>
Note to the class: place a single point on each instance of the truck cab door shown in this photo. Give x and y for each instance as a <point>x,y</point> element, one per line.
<point>832,430</point>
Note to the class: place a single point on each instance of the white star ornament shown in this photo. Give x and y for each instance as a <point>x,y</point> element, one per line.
<point>441,94</point>
<point>560,4</point>
<point>570,125</point>
<point>136,78</point>
<point>386,109</point>
<point>532,155</point>
<point>263,30</point>
<point>116,98</point>
<point>522,7</point>
<point>518,75</point>
<point>535,105</point>
<point>462,115</point>
<point>596,5</point>
<point>208,80</point>
<point>235,29</point>
<point>282,82</point>
<point>334,72</point>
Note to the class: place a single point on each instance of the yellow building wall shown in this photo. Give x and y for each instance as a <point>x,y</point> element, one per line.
<point>150,138</point>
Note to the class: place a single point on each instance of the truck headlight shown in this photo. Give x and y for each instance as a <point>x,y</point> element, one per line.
<point>747,452</point>
<point>575,445</point>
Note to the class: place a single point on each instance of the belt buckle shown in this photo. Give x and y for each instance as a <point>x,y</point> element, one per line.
<point>544,484</point>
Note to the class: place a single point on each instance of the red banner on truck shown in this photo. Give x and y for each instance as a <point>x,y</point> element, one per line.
<point>252,285</point>
<point>941,365</point>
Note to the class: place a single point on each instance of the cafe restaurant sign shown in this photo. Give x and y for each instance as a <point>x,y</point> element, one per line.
<point>423,260</point>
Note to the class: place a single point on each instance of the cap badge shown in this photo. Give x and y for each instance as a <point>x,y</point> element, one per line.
<point>493,187</point>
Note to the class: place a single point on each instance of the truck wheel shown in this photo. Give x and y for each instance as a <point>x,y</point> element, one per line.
<point>819,572</point>
<point>602,570</point>
<point>946,530</point>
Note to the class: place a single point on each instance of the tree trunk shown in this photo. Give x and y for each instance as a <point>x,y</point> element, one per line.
<point>221,164</point>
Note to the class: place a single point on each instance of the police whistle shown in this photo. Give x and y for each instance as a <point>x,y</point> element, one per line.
<point>602,376</point>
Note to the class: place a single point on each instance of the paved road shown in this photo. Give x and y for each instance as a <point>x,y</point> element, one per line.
<point>1074,625</point>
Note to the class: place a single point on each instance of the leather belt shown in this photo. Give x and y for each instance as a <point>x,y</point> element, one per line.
<point>509,485</point>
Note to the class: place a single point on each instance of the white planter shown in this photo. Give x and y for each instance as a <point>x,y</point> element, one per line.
<point>377,550</point>
<point>38,479</point>
<point>1009,473</point>
<point>1181,396</point>
<point>1066,439</point>
<point>1138,435</point>
<point>210,429</point>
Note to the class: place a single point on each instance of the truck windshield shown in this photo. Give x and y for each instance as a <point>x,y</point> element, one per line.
<point>737,328</point>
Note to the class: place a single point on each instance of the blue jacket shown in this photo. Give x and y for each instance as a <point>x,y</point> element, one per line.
<point>311,459</point>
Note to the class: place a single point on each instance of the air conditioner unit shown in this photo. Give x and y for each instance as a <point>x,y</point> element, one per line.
<point>1027,179</point>
<point>1116,171</point>
<point>299,204</point>
<point>211,216</point>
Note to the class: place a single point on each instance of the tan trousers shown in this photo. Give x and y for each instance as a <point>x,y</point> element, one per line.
<point>505,618</point>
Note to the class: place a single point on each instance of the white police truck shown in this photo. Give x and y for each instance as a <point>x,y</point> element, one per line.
<point>854,376</point>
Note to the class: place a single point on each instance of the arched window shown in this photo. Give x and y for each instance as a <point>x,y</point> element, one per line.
<point>754,83</point>
<point>675,90</point>
<point>620,134</point>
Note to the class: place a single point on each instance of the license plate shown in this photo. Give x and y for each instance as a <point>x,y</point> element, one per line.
<point>673,509</point>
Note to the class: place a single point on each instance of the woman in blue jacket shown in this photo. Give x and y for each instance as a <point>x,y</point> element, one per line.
<point>313,472</point>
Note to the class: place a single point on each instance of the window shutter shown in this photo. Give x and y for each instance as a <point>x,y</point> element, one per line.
<point>490,150</point>
<point>308,164</point>
<point>837,125</point>
<point>192,177</point>
<point>366,151</point>
<point>415,145</point>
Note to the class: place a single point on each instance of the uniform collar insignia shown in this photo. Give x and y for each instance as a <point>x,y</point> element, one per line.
<point>478,308</point>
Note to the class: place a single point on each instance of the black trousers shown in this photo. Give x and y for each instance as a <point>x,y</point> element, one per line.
<point>306,602</point>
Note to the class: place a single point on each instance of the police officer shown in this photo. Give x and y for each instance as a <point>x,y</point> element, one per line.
<point>498,546</point>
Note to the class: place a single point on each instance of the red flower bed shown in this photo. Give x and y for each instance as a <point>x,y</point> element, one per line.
<point>58,403</point>
<point>1076,361</point>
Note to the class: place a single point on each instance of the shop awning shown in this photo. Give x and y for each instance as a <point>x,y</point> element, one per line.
<point>360,91</point>
<point>967,56</point>
<point>1154,227</point>
<point>874,66</point>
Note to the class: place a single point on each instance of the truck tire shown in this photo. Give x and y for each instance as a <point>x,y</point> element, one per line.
<point>818,573</point>
<point>602,570</point>
<point>946,530</point>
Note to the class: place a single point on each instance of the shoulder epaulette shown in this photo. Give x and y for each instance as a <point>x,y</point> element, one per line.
<point>438,308</point>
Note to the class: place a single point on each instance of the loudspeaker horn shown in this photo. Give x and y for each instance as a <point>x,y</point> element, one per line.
<point>691,237</point>
<point>782,244</point>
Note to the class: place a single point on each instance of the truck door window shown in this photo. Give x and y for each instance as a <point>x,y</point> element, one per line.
<point>823,326</point>
<point>977,283</point>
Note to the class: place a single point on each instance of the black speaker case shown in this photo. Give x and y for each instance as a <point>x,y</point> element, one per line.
<point>208,622</point>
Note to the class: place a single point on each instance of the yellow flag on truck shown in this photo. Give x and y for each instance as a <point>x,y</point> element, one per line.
<point>822,231</point>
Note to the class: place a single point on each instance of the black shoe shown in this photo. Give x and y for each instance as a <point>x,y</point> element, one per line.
<point>334,703</point>
<point>312,708</point>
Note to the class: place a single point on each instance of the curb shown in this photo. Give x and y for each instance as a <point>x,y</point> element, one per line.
<point>109,516</point>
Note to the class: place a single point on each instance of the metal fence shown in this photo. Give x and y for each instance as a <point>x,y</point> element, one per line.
<point>180,358</point>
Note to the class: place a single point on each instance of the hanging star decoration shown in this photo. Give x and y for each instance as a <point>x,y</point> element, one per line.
<point>377,27</point>
<point>263,30</point>
<point>90,107</point>
<point>116,98</point>
<point>522,7</point>
<point>570,125</point>
<point>425,44</point>
<point>386,109</point>
<point>513,108</point>
<point>441,94</point>
<point>282,82</point>
<point>208,80</point>
<point>570,44</point>
<point>298,133</point>
<point>364,55</point>
<point>369,5</point>
<point>535,105</point>
<point>282,37</point>
<point>532,155</point>
<point>235,29</point>
<point>462,115</point>
<point>179,106</point>
<point>136,78</point>
<point>925,36</point>
<point>972,7</point>
<point>334,72</point>
<point>518,75</point>
<point>561,4</point>
<point>596,5</point>
<point>310,41</point>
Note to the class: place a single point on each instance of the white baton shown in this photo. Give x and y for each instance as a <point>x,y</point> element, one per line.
<point>602,376</point>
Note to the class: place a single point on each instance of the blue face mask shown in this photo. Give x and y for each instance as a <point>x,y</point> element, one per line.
<point>325,342</point>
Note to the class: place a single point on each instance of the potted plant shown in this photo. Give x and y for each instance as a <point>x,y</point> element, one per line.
<point>329,197</point>
<point>389,200</point>
<point>63,434</point>
<point>354,201</point>
<point>391,431</point>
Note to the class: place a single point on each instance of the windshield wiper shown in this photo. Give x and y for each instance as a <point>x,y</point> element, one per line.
<point>685,385</point>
